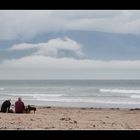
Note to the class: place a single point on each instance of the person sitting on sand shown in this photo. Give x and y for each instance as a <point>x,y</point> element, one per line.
<point>19,106</point>
<point>6,106</point>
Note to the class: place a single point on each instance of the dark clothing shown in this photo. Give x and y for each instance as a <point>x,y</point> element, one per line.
<point>19,107</point>
<point>5,106</point>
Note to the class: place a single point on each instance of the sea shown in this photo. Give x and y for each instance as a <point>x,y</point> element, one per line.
<point>73,93</point>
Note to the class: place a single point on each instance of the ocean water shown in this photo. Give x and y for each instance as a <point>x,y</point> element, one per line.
<point>73,93</point>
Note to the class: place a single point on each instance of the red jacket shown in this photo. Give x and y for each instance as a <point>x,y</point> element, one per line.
<point>19,107</point>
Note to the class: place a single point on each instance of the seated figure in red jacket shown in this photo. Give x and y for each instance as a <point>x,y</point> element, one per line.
<point>19,106</point>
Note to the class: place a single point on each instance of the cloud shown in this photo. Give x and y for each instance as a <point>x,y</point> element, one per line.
<point>54,48</point>
<point>70,63</point>
<point>27,24</point>
<point>23,46</point>
<point>51,60</point>
<point>57,58</point>
<point>44,67</point>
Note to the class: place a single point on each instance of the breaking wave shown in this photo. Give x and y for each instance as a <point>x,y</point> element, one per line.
<point>38,95</point>
<point>1,88</point>
<point>119,91</point>
<point>135,96</point>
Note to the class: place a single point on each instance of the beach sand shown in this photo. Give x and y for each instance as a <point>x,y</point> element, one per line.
<point>56,118</point>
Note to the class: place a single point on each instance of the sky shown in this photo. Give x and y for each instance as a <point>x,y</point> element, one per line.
<point>63,57</point>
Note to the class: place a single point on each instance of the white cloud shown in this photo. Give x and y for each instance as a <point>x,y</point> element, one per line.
<point>44,63</point>
<point>23,46</point>
<point>29,23</point>
<point>43,67</point>
<point>70,63</point>
<point>53,47</point>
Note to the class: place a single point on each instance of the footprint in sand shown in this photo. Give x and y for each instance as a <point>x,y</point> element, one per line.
<point>103,122</point>
<point>65,119</point>
<point>74,122</point>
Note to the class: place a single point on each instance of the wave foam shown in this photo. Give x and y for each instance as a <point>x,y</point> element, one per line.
<point>135,96</point>
<point>94,101</point>
<point>1,88</point>
<point>119,91</point>
<point>38,95</point>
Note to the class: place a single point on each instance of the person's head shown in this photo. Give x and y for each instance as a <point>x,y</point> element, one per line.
<point>19,99</point>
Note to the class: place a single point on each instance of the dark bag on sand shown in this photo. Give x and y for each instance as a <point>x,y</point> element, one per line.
<point>10,111</point>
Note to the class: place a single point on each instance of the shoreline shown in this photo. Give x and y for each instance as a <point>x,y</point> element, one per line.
<point>64,118</point>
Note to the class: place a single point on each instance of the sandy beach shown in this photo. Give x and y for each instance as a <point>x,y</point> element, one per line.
<point>54,118</point>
